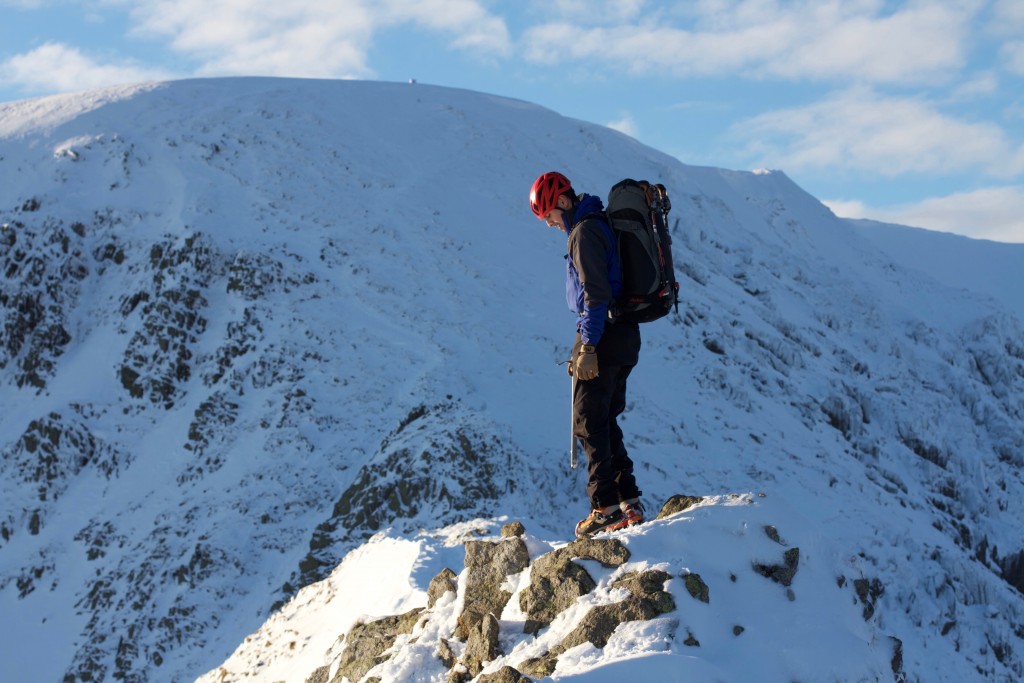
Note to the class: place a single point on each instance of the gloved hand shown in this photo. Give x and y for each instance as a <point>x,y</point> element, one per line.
<point>586,363</point>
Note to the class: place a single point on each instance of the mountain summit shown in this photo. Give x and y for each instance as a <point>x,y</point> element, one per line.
<point>252,331</point>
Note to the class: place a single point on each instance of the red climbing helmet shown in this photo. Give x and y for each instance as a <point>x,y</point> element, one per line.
<point>546,190</point>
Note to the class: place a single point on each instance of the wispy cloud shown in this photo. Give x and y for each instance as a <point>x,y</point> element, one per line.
<point>23,4</point>
<point>1007,17</point>
<point>306,37</point>
<point>1012,54</point>
<point>863,130</point>
<point>54,67</point>
<point>992,213</point>
<point>812,39</point>
<point>607,12</point>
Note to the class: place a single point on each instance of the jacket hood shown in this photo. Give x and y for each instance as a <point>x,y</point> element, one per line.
<point>587,205</point>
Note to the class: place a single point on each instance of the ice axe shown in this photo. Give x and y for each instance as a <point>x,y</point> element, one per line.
<point>573,444</point>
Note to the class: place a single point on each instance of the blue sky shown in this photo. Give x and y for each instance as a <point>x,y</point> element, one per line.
<point>909,112</point>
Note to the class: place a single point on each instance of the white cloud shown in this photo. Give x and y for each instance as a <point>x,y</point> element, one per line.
<point>1012,54</point>
<point>848,208</point>
<point>471,24</point>
<point>862,130</point>
<point>818,39</point>
<point>626,125</point>
<point>53,67</point>
<point>993,213</point>
<point>306,37</point>
<point>593,11</point>
<point>1007,17</point>
<point>980,84</point>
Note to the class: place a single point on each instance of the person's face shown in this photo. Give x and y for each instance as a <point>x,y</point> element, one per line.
<point>556,216</point>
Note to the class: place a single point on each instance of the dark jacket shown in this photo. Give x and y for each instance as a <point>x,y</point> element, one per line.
<point>593,274</point>
<point>593,279</point>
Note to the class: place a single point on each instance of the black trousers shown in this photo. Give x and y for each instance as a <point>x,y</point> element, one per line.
<point>597,404</point>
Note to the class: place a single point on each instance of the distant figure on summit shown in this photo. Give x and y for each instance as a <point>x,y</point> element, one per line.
<point>604,353</point>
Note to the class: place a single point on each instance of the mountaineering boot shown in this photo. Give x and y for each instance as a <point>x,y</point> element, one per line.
<point>599,520</point>
<point>632,512</point>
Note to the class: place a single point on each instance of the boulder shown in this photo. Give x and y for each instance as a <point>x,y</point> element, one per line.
<point>648,600</point>
<point>488,564</point>
<point>444,582</point>
<point>677,504</point>
<point>368,642</point>
<point>505,674</point>
<point>556,581</point>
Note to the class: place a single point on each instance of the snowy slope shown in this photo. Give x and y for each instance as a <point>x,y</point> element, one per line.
<point>250,323</point>
<point>989,268</point>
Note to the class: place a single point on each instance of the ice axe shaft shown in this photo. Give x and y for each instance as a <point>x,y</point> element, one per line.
<point>573,444</point>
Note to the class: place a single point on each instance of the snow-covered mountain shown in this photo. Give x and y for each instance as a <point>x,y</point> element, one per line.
<point>272,350</point>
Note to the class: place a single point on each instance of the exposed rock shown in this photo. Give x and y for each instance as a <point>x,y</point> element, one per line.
<point>600,622</point>
<point>513,529</point>
<point>367,642</point>
<point>488,563</point>
<point>50,454</point>
<point>41,280</point>
<point>482,645</point>
<point>868,591</point>
<point>540,667</point>
<point>320,675</point>
<point>1013,570</point>
<point>438,458</point>
<point>505,674</point>
<point>897,660</point>
<point>781,573</point>
<point>648,600</point>
<point>677,504</point>
<point>696,587</point>
<point>648,585</point>
<point>556,581</point>
<point>443,583</point>
<point>212,418</point>
<point>445,654</point>
<point>158,360</point>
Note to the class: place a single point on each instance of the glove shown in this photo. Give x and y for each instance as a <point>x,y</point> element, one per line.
<point>586,363</point>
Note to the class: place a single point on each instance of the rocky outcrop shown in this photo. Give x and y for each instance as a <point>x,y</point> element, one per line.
<point>516,617</point>
<point>437,458</point>
<point>52,451</point>
<point>367,642</point>
<point>556,582</point>
<point>647,600</point>
<point>505,674</point>
<point>159,358</point>
<point>678,503</point>
<point>488,564</point>
<point>43,263</point>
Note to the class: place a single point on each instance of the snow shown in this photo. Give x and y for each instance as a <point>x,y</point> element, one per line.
<point>399,270</point>
<point>989,268</point>
<point>813,631</point>
<point>296,638</point>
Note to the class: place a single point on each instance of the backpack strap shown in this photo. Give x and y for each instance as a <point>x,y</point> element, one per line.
<point>603,216</point>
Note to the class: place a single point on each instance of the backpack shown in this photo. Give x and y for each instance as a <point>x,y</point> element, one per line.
<point>637,212</point>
